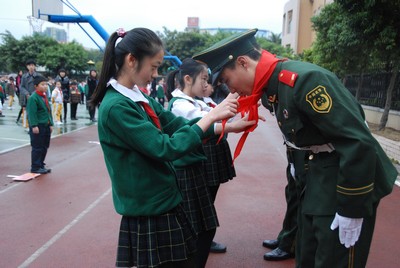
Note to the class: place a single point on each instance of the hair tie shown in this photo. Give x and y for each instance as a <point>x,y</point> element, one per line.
<point>121,32</point>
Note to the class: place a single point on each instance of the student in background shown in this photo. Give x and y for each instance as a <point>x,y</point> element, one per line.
<point>91,84</point>
<point>40,125</point>
<point>75,99</point>
<point>10,91</point>
<point>64,80</point>
<point>57,101</point>
<point>26,89</point>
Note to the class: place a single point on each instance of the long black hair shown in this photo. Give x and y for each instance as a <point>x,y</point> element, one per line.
<point>140,42</point>
<point>175,78</point>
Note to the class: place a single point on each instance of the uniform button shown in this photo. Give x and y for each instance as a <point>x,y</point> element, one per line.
<point>311,157</point>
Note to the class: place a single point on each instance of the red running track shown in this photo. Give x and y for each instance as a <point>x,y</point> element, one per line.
<point>66,218</point>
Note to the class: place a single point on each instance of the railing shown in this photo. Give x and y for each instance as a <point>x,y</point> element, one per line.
<point>373,89</point>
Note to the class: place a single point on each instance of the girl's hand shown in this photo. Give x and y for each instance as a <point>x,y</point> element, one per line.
<point>240,125</point>
<point>226,109</point>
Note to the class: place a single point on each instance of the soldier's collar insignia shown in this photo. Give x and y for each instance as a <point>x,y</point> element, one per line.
<point>319,99</point>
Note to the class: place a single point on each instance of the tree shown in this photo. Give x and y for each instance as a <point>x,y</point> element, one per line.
<point>337,47</point>
<point>276,49</point>
<point>16,52</point>
<point>70,56</point>
<point>186,44</point>
<point>45,50</point>
<point>275,38</point>
<point>377,24</point>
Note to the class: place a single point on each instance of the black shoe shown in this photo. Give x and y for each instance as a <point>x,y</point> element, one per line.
<point>277,255</point>
<point>39,171</point>
<point>217,247</point>
<point>47,169</point>
<point>272,244</point>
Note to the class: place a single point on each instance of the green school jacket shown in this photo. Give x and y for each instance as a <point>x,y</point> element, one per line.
<point>37,111</point>
<point>139,156</point>
<point>194,157</point>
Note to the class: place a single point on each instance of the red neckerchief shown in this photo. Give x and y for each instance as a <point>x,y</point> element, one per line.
<point>44,96</point>
<point>150,112</point>
<point>249,104</point>
<point>210,104</point>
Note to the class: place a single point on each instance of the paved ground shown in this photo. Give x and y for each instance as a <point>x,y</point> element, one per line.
<point>66,218</point>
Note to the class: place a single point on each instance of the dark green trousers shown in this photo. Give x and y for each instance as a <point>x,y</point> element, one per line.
<point>319,246</point>
<point>287,236</point>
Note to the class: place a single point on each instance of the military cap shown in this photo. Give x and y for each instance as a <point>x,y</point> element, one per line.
<point>38,79</point>
<point>226,50</point>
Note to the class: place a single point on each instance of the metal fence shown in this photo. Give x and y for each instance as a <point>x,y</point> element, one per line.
<point>373,89</point>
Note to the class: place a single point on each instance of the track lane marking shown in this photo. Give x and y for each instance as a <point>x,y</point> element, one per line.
<point>57,236</point>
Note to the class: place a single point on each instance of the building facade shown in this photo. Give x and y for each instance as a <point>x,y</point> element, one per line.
<point>297,32</point>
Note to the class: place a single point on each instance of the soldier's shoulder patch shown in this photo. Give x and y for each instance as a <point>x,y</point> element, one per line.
<point>319,99</point>
<point>288,77</point>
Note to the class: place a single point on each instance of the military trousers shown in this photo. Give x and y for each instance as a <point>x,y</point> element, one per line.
<point>318,246</point>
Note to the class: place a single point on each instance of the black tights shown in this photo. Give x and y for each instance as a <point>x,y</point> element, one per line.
<point>204,240</point>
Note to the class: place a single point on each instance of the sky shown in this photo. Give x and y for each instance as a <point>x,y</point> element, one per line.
<point>153,14</point>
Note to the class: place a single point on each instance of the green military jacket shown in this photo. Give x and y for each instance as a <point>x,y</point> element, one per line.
<point>313,107</point>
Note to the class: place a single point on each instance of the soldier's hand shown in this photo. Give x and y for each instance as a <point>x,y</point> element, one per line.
<point>349,229</point>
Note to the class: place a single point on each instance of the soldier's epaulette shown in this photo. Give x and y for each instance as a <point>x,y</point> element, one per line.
<point>288,77</point>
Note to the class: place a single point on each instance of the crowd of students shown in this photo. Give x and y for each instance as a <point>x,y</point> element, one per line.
<point>62,93</point>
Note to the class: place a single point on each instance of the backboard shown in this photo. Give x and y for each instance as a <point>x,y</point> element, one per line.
<point>42,8</point>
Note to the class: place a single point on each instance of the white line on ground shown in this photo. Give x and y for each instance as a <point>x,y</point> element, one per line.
<point>9,188</point>
<point>54,239</point>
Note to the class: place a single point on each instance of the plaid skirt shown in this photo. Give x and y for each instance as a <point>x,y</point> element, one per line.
<point>197,200</point>
<point>151,241</point>
<point>218,166</point>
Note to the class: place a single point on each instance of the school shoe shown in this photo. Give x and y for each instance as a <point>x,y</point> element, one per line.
<point>40,171</point>
<point>277,255</point>
<point>47,169</point>
<point>217,247</point>
<point>272,244</point>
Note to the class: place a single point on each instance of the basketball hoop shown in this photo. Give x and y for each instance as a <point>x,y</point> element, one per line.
<point>36,24</point>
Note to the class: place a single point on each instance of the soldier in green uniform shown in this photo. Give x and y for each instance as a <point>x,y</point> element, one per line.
<point>348,172</point>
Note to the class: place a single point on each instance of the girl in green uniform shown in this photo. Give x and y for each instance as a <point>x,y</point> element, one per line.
<point>139,140</point>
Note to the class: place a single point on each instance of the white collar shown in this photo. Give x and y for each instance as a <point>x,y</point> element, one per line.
<point>179,94</point>
<point>134,94</point>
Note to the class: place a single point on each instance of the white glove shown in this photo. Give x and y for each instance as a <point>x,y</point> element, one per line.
<point>349,229</point>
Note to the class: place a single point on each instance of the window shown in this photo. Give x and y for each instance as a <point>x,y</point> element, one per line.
<point>290,19</point>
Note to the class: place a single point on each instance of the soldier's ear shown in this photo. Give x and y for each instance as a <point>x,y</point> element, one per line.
<point>242,61</point>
